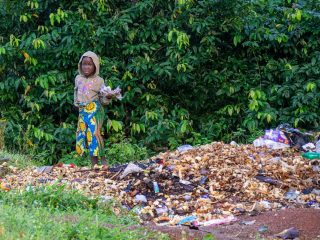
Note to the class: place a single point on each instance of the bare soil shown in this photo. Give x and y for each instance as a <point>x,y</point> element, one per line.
<point>305,220</point>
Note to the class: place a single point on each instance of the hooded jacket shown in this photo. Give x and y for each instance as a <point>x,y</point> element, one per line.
<point>87,89</point>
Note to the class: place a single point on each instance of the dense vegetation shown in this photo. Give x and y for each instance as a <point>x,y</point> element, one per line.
<point>192,71</point>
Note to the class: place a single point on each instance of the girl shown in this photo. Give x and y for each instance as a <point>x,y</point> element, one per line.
<point>91,112</point>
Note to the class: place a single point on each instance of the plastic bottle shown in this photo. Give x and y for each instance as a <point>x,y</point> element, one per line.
<point>156,187</point>
<point>311,155</point>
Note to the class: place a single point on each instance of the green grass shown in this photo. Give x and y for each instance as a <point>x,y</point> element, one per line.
<point>55,213</point>
<point>17,160</point>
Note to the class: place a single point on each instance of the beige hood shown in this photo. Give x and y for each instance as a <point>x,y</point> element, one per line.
<point>95,60</point>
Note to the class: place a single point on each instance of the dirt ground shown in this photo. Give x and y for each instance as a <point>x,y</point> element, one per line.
<point>305,220</point>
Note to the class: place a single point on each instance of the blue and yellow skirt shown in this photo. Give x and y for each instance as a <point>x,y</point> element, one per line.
<point>90,122</point>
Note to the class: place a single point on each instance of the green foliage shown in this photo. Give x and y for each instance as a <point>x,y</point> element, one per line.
<point>52,197</point>
<point>191,71</point>
<point>18,160</point>
<point>123,152</point>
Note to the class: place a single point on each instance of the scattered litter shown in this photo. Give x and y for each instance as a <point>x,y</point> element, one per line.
<point>219,221</point>
<point>69,165</point>
<point>156,187</point>
<point>4,186</point>
<point>267,180</point>
<point>184,148</point>
<point>213,182</point>
<point>309,147</point>
<point>233,143</point>
<point>161,210</point>
<point>292,194</point>
<point>131,168</point>
<point>276,136</point>
<point>311,155</point>
<point>290,233</point>
<point>187,219</point>
<point>263,229</point>
<point>261,142</point>
<point>140,198</point>
<point>247,222</point>
<point>44,169</point>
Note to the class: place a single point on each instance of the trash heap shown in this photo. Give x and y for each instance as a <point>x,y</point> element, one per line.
<point>209,184</point>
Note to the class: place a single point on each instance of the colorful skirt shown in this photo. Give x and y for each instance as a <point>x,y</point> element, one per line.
<point>90,122</point>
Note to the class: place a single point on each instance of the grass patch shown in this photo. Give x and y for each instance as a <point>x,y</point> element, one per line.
<point>56,213</point>
<point>16,159</point>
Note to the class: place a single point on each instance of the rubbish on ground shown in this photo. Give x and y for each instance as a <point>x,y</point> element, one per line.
<point>187,197</point>
<point>183,148</point>
<point>318,146</point>
<point>203,180</point>
<point>261,142</point>
<point>263,229</point>
<point>161,210</point>
<point>131,168</point>
<point>309,147</point>
<point>140,198</point>
<point>233,143</point>
<point>260,206</point>
<point>69,165</point>
<point>229,188</point>
<point>311,155</point>
<point>185,182</point>
<point>296,137</point>
<point>267,179</point>
<point>44,169</point>
<point>307,190</point>
<point>276,136</point>
<point>248,222</point>
<point>187,220</point>
<point>4,186</point>
<point>292,194</point>
<point>316,192</point>
<point>290,233</point>
<point>156,187</point>
<point>218,221</point>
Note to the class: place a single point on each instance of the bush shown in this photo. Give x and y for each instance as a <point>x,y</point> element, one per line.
<point>124,152</point>
<point>189,70</point>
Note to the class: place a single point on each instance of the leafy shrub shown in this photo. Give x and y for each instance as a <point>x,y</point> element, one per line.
<point>124,152</point>
<point>191,71</point>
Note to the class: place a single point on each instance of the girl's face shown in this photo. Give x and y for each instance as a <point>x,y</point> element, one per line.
<point>87,66</point>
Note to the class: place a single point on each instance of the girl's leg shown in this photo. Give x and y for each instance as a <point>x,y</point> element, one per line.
<point>99,121</point>
<point>104,161</point>
<point>94,160</point>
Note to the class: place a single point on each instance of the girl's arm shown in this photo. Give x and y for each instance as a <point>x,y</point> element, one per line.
<point>75,94</point>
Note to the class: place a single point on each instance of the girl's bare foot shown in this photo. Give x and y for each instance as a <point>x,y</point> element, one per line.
<point>104,162</point>
<point>94,161</point>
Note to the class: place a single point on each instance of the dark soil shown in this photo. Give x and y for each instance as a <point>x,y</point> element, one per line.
<point>305,220</point>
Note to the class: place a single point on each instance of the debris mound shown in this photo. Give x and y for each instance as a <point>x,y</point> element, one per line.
<point>213,181</point>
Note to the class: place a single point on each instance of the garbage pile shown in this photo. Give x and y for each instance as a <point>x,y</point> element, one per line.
<point>285,136</point>
<point>205,185</point>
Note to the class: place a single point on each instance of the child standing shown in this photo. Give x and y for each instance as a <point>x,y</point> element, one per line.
<point>91,112</point>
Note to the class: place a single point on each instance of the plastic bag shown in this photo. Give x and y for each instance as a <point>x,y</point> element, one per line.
<point>276,136</point>
<point>106,94</point>
<point>131,168</point>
